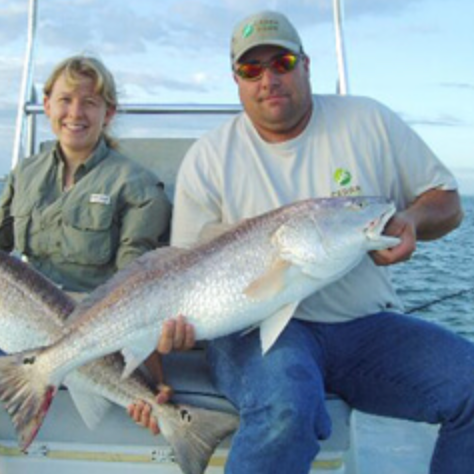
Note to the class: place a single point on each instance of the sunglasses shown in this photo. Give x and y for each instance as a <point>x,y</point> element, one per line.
<point>281,64</point>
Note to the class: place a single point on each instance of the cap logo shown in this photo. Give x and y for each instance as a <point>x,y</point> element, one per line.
<point>247,31</point>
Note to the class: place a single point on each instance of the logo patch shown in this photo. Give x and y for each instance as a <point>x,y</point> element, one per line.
<point>247,31</point>
<point>99,199</point>
<point>342,177</point>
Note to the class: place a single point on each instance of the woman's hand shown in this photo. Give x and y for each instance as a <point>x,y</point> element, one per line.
<point>141,411</point>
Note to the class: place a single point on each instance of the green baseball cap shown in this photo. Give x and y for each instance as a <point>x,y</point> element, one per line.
<point>264,28</point>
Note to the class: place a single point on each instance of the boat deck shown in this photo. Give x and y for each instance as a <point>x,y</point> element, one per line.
<point>64,443</point>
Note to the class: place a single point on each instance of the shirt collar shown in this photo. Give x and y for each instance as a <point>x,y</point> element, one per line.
<point>99,154</point>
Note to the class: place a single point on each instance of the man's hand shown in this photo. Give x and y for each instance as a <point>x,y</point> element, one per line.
<point>177,335</point>
<point>403,227</point>
<point>432,215</point>
<point>140,411</point>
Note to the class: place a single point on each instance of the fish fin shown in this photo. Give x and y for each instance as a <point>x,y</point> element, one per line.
<point>270,283</point>
<point>213,230</point>
<point>91,406</point>
<point>249,330</point>
<point>273,326</point>
<point>26,394</point>
<point>194,433</point>
<point>134,356</point>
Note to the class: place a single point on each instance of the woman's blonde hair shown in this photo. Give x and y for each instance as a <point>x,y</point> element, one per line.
<point>76,67</point>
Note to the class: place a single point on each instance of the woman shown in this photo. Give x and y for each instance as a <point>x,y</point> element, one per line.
<point>81,211</point>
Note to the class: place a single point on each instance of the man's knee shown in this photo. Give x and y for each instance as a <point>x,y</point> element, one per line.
<point>290,419</point>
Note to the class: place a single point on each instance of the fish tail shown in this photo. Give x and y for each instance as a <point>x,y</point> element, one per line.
<point>25,393</point>
<point>194,434</point>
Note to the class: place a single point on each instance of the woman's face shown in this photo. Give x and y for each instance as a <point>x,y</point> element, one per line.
<point>77,115</point>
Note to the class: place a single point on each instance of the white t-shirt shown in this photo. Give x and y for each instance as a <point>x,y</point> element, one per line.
<point>351,146</point>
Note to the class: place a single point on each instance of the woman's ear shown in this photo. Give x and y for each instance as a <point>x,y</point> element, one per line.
<point>109,114</point>
<point>47,105</point>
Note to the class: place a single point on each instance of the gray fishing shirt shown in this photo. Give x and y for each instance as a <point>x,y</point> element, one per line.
<point>115,212</point>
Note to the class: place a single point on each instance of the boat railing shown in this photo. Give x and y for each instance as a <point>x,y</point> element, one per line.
<point>29,107</point>
<point>27,145</point>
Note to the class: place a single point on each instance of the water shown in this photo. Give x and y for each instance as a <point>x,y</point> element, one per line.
<point>443,270</point>
<point>438,270</point>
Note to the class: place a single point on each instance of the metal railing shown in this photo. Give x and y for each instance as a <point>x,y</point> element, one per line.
<point>32,110</point>
<point>29,108</point>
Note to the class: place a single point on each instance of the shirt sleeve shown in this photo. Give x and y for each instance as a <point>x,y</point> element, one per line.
<point>6,219</point>
<point>417,169</point>
<point>197,201</point>
<point>145,220</point>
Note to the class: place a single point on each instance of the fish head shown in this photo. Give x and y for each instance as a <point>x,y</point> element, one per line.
<point>341,221</point>
<point>328,237</point>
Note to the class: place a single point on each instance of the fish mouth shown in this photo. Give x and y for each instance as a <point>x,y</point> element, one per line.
<point>374,230</point>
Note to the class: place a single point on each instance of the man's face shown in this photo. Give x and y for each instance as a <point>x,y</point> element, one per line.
<point>275,102</point>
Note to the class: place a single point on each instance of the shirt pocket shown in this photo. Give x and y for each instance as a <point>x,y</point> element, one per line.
<point>21,211</point>
<point>90,234</point>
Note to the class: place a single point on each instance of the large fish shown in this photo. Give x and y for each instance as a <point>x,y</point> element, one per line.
<point>254,274</point>
<point>32,312</point>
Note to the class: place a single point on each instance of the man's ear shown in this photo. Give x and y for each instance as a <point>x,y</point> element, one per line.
<point>306,62</point>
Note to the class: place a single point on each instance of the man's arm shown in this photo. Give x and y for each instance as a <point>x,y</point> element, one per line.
<point>432,215</point>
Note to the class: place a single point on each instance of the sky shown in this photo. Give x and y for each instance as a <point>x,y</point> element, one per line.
<point>415,56</point>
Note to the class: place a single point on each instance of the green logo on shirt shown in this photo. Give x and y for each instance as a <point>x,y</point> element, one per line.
<point>342,177</point>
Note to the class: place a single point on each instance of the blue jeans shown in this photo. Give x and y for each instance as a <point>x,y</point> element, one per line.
<point>385,364</point>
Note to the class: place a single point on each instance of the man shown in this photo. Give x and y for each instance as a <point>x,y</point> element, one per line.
<point>351,338</point>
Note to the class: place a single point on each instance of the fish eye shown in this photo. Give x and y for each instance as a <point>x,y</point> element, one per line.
<point>358,205</point>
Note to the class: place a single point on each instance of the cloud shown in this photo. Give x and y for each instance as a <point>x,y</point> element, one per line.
<point>117,27</point>
<point>13,20</point>
<point>173,49</point>
<point>10,76</point>
<point>155,85</point>
<point>458,85</point>
<point>359,8</point>
<point>7,111</point>
<point>109,27</point>
<point>442,120</point>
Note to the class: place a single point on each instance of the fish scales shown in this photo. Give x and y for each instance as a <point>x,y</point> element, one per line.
<point>254,274</point>
<point>32,312</point>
